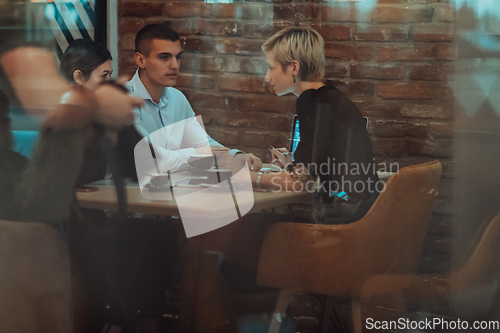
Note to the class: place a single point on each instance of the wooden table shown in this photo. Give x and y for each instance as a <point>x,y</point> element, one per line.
<point>200,281</point>
<point>105,198</point>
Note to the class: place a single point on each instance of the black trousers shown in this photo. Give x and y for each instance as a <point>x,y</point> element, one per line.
<point>126,265</point>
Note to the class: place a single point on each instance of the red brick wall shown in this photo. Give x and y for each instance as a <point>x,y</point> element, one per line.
<point>394,62</point>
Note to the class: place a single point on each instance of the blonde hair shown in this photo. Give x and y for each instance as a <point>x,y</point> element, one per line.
<point>302,44</point>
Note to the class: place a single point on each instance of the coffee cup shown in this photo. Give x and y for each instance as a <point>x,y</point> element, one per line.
<point>215,176</point>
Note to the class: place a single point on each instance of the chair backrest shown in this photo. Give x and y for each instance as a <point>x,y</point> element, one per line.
<point>35,280</point>
<point>395,227</point>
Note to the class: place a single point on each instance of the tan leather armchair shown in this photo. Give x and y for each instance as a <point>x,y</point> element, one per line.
<point>366,258</point>
<point>38,291</point>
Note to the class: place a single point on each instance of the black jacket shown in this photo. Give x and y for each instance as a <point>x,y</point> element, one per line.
<point>334,143</point>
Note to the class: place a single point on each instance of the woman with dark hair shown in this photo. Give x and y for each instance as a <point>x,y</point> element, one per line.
<point>86,64</point>
<point>125,260</point>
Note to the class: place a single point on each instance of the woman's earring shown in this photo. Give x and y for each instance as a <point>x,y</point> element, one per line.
<point>294,79</point>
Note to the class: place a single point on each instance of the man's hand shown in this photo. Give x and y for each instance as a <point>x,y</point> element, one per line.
<point>238,161</point>
<point>205,150</point>
<point>254,163</point>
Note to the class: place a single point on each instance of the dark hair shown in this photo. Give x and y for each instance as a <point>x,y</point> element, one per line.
<point>84,55</point>
<point>153,31</point>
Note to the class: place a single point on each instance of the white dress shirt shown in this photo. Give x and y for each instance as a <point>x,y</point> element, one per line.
<point>175,130</point>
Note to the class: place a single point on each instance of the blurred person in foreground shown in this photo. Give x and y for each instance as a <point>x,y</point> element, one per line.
<point>42,190</point>
<point>135,253</point>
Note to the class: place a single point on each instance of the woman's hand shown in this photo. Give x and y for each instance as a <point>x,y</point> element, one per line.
<point>281,156</point>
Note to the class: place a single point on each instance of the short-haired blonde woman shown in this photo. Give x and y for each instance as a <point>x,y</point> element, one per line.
<point>332,132</point>
<point>334,144</point>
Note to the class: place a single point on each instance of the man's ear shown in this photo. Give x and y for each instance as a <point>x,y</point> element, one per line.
<point>140,60</point>
<point>295,67</point>
<point>79,77</point>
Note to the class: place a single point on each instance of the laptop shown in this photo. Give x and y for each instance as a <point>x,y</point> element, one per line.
<point>294,135</point>
<point>294,142</point>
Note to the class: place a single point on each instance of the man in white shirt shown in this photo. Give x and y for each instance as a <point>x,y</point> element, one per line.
<point>158,55</point>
